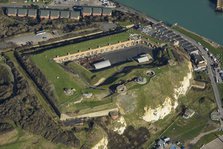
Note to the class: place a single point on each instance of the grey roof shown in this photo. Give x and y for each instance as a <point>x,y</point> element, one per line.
<point>32,12</point>
<point>44,13</point>
<point>74,14</point>
<point>196,58</point>
<point>64,14</point>
<point>22,11</point>
<point>87,10</point>
<point>102,64</point>
<point>54,13</point>
<point>97,10</point>
<point>12,11</point>
<point>107,11</point>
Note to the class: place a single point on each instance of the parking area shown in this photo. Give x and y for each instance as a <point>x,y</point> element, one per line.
<point>215,144</point>
<point>161,32</point>
<point>31,38</point>
<point>126,54</point>
<point>82,3</point>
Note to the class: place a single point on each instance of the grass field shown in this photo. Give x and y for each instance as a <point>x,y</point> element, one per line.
<point>4,1</point>
<point>158,88</point>
<point>184,130</point>
<point>179,129</point>
<point>19,139</point>
<point>58,77</point>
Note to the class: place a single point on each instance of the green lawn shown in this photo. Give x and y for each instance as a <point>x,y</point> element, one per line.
<point>4,1</point>
<point>186,129</point>
<point>58,77</point>
<point>82,46</point>
<point>28,140</point>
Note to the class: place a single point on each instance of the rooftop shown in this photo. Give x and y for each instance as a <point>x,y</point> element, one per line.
<point>64,14</point>
<point>44,13</point>
<point>107,10</point>
<point>102,64</point>
<point>87,9</point>
<point>12,11</point>
<point>22,11</point>
<point>32,12</point>
<point>54,13</point>
<point>97,10</point>
<point>74,14</point>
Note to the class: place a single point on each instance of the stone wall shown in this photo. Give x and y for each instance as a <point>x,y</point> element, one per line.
<point>100,50</point>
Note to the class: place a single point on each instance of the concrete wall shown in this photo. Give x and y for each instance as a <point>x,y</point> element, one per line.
<point>108,48</point>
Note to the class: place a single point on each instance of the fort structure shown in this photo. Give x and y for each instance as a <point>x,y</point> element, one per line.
<point>100,50</point>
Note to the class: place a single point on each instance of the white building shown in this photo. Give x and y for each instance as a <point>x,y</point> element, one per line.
<point>102,64</point>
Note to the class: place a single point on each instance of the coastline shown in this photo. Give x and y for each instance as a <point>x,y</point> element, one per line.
<point>133,10</point>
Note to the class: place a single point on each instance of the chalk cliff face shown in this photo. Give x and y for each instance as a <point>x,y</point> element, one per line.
<point>154,114</point>
<point>102,144</point>
<point>122,125</point>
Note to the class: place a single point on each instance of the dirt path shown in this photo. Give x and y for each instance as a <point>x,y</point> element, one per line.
<point>196,139</point>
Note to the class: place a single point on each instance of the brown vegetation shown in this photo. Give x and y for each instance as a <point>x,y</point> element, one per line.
<point>24,111</point>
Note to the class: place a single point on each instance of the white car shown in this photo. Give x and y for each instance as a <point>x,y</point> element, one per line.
<point>206,49</point>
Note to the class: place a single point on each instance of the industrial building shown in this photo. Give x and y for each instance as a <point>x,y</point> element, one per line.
<point>102,64</point>
<point>144,58</point>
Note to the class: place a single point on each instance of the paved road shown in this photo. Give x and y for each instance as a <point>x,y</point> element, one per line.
<point>212,73</point>
<point>215,144</point>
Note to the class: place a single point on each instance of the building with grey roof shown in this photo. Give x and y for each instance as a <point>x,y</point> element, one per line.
<point>101,65</point>
<point>75,15</point>
<point>54,14</point>
<point>106,11</point>
<point>22,12</point>
<point>86,11</point>
<point>97,11</point>
<point>64,14</point>
<point>44,14</point>
<point>11,11</point>
<point>32,13</point>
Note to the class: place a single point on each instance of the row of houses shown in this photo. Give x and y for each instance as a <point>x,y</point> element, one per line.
<point>56,14</point>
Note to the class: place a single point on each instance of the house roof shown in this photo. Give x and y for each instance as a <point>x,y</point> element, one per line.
<point>22,11</point>
<point>32,12</point>
<point>12,11</point>
<point>197,57</point>
<point>87,10</point>
<point>54,13</point>
<point>74,14</point>
<point>97,10</point>
<point>107,10</point>
<point>44,13</point>
<point>64,14</point>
